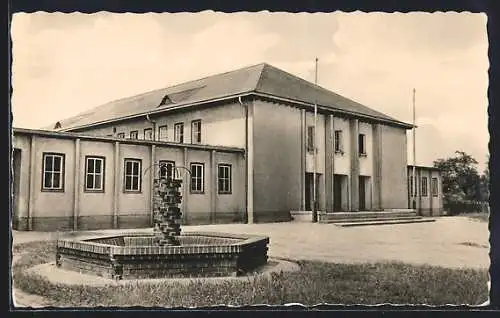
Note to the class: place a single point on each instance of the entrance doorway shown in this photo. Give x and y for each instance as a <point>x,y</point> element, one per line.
<point>16,178</point>
<point>364,193</point>
<point>339,193</point>
<point>309,195</point>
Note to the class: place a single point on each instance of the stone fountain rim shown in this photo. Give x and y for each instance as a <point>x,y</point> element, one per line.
<point>85,244</point>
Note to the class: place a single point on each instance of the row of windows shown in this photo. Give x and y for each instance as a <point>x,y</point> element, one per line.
<point>53,174</point>
<point>425,187</point>
<point>338,141</point>
<point>147,133</point>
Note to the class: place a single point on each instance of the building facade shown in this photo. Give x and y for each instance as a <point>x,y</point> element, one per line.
<point>63,181</point>
<point>426,197</point>
<point>259,121</point>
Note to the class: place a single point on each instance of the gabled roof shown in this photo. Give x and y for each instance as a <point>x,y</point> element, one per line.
<point>257,79</point>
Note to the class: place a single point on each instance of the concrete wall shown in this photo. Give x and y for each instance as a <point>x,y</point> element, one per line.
<point>436,201</point>
<point>222,125</point>
<point>134,207</point>
<point>342,163</point>
<point>366,161</point>
<point>320,146</point>
<point>114,207</point>
<point>394,186</point>
<point>96,208</point>
<point>277,175</point>
<point>54,205</point>
<point>22,143</point>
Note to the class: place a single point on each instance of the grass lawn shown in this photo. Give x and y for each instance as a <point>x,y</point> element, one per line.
<point>316,282</point>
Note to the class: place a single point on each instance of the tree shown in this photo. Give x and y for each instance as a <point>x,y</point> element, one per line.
<point>485,182</point>
<point>461,180</point>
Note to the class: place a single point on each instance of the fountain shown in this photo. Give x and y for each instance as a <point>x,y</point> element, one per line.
<point>166,252</point>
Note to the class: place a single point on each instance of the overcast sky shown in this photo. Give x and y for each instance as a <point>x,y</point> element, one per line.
<point>64,64</point>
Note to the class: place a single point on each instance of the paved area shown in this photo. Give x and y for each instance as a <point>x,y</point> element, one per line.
<point>449,242</point>
<point>452,242</point>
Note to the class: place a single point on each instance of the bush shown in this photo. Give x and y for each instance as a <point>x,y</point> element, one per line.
<point>455,208</point>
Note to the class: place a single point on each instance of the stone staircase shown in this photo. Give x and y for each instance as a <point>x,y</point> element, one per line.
<point>364,218</point>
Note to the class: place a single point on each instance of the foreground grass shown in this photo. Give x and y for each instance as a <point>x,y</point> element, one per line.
<point>316,282</point>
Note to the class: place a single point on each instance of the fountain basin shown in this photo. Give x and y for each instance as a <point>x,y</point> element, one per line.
<point>135,255</point>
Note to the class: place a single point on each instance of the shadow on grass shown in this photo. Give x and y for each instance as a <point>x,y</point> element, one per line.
<point>316,282</point>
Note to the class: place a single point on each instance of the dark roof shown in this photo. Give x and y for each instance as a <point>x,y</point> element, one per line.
<point>424,167</point>
<point>257,79</point>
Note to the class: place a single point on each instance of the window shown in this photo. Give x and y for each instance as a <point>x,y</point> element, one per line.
<point>120,135</point>
<point>179,132</point>
<point>197,178</point>
<point>94,174</point>
<point>435,187</point>
<point>224,179</point>
<point>148,134</point>
<point>53,172</point>
<point>425,186</point>
<point>338,141</point>
<point>134,134</point>
<point>132,176</point>
<point>362,144</point>
<point>196,132</point>
<point>163,172</point>
<point>310,138</point>
<point>162,133</point>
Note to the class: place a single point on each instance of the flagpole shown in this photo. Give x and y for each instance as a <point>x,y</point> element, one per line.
<point>414,155</point>
<point>314,211</point>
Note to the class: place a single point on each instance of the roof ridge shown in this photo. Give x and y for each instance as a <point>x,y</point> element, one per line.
<point>183,83</point>
<point>307,82</point>
<point>136,96</point>
<point>316,86</point>
<point>257,84</point>
<point>215,74</point>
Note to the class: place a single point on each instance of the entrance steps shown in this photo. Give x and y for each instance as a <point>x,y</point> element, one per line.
<point>363,218</point>
<point>384,222</point>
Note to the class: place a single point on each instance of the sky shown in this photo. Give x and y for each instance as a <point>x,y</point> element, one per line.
<point>64,64</point>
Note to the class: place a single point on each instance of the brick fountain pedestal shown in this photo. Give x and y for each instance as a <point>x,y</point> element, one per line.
<point>166,252</point>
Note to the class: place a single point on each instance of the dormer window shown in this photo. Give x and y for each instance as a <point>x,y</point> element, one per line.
<point>165,101</point>
<point>57,125</point>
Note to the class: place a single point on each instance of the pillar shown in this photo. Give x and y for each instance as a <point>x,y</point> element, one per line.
<point>213,186</point>
<point>377,203</point>
<point>152,176</point>
<point>31,168</point>
<point>303,152</point>
<point>76,187</point>
<point>419,190</point>
<point>250,154</point>
<point>429,193</point>
<point>116,184</point>
<point>354,135</point>
<point>185,189</point>
<point>329,162</point>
